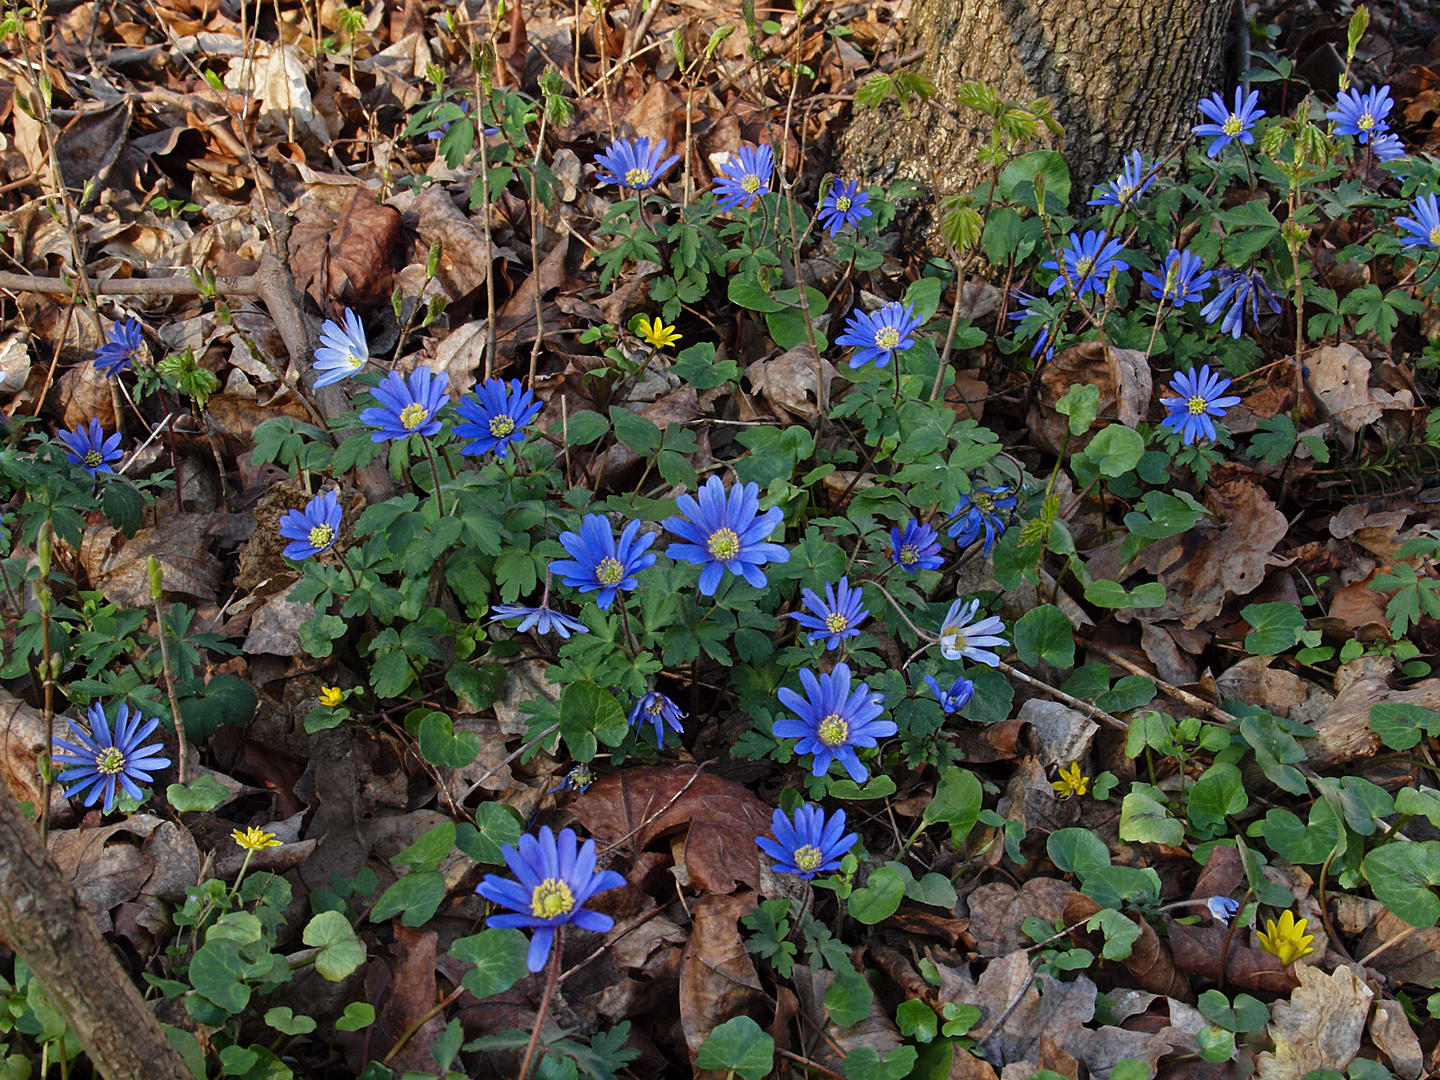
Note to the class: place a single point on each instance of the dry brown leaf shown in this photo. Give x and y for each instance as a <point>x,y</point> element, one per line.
<point>997,911</point>
<point>1062,734</point>
<point>412,995</point>
<point>1320,1027</point>
<point>117,565</point>
<point>1343,733</point>
<point>344,261</point>
<point>1340,380</point>
<point>1393,1036</point>
<point>717,978</point>
<point>464,262</point>
<point>1197,952</point>
<point>876,1030</point>
<point>1121,375</point>
<point>788,382</point>
<point>1414,959</point>
<point>104,865</point>
<point>1150,963</point>
<point>1255,682</point>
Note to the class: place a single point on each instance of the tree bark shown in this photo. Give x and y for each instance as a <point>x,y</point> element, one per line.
<point>43,920</point>
<point>1123,75</point>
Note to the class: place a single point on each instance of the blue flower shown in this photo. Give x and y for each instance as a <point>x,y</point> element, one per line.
<point>407,407</point>
<point>745,177</point>
<point>1029,310</point>
<point>879,336</point>
<point>1424,227</point>
<point>98,761</point>
<point>450,109</point>
<point>1184,281</point>
<point>957,697</point>
<point>495,418</point>
<point>807,844</point>
<point>659,710</point>
<point>1126,188</point>
<point>90,449</point>
<point>542,618</point>
<point>1230,124</point>
<point>557,876</point>
<point>635,165</point>
<point>977,511</point>
<point>833,721</point>
<point>597,562</point>
<point>1238,287</point>
<point>1088,260</point>
<point>1223,909</point>
<point>1387,147</point>
<point>1200,398</point>
<point>577,779</point>
<point>916,548</point>
<point>834,618</point>
<point>123,342</point>
<point>343,349</point>
<point>313,531</point>
<point>843,205</point>
<point>1362,115</point>
<point>959,639</point>
<point>726,534</point>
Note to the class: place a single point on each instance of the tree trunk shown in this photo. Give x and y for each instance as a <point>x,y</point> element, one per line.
<point>43,920</point>
<point>1123,75</point>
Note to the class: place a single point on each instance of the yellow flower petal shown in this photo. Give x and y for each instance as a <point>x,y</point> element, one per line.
<point>656,333</point>
<point>331,696</point>
<point>254,838</point>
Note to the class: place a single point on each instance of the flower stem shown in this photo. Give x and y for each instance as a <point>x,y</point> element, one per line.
<point>544,1001</point>
<point>435,472</point>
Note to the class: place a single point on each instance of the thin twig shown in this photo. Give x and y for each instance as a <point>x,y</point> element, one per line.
<point>1060,696</point>
<point>1182,696</point>
<point>171,286</point>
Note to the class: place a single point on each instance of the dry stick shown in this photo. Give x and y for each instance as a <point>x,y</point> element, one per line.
<point>535,248</point>
<point>181,741</point>
<point>44,922</point>
<point>807,1063</point>
<point>425,1018</point>
<point>1182,696</point>
<point>1060,695</point>
<point>176,286</point>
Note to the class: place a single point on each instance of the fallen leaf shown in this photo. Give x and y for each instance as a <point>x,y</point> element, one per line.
<point>717,978</point>
<point>998,909</point>
<point>1320,1027</point>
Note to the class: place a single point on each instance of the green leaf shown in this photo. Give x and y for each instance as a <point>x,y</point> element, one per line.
<point>429,850</point>
<point>1044,633</point>
<point>1144,821</point>
<point>1295,841</point>
<point>637,432</point>
<point>1103,592</point>
<point>124,506</point>
<point>923,294</point>
<point>495,826</point>
<point>917,1021</point>
<point>956,802</point>
<point>848,998</point>
<point>1218,793</point>
<point>865,1063</point>
<point>1017,179</point>
<point>441,744</point>
<point>499,959</point>
<point>1081,404</point>
<point>203,793</point>
<point>933,890</point>
<point>585,427</point>
<point>357,1015</point>
<point>1275,628</point>
<point>1400,876</point>
<point>1400,724</point>
<point>1115,450</point>
<point>880,898</point>
<point>590,715</point>
<point>414,898</point>
<point>225,699</point>
<point>738,1046</point>
<point>283,1019</point>
<point>341,952</point>
<point>1120,933</point>
<point>1077,851</point>
<point>318,635</point>
<point>216,972</point>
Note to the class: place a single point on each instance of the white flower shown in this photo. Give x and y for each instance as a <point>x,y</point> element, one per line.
<point>959,639</point>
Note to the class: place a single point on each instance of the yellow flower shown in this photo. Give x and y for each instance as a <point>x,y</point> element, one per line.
<point>657,333</point>
<point>1287,942</point>
<point>1070,782</point>
<point>254,839</point>
<point>330,696</point>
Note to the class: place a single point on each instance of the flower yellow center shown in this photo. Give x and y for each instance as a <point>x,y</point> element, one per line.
<point>836,623</point>
<point>984,503</point>
<point>887,338</point>
<point>909,554</point>
<point>637,177</point>
<point>842,204</point>
<point>322,536</point>
<point>551,898</point>
<point>110,761</point>
<point>412,416</point>
<point>1435,236</point>
<point>1196,405</point>
<point>655,706</point>
<point>356,360</point>
<point>1126,192</point>
<point>751,184</point>
<point>833,730</point>
<point>1083,268</point>
<point>1366,122</point>
<point>1233,126</point>
<point>808,857</point>
<point>724,544</point>
<point>94,458</point>
<point>609,571</point>
<point>500,426</point>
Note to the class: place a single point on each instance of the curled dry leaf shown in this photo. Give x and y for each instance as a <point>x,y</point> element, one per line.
<point>412,995</point>
<point>104,865</point>
<point>788,382</point>
<point>1320,1027</point>
<point>344,261</point>
<point>717,978</point>
<point>1121,375</point>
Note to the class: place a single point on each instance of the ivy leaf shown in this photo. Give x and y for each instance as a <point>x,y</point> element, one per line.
<point>738,1046</point>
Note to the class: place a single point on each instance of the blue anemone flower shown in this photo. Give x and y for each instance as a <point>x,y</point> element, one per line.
<point>1184,281</point>
<point>1424,227</point>
<point>657,709</point>
<point>745,177</point>
<point>635,165</point>
<point>957,697</point>
<point>542,618</point>
<point>1223,909</point>
<point>979,510</point>
<point>1126,188</point>
<point>1229,124</point>
<point>833,721</point>
<point>90,449</point>
<point>959,639</point>
<point>880,335</point>
<point>123,342</point>
<point>837,617</point>
<point>315,529</point>
<point>1087,260</point>
<point>843,205</point>
<point>407,406</point>
<point>1362,115</point>
<point>495,417</point>
<point>1237,287</point>
<point>723,533</point>
<point>598,562</point>
<point>98,762</point>
<point>916,547</point>
<point>807,844</point>
<point>343,349</point>
<point>557,876</point>
<point>1201,395</point>
<point>1387,147</point>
